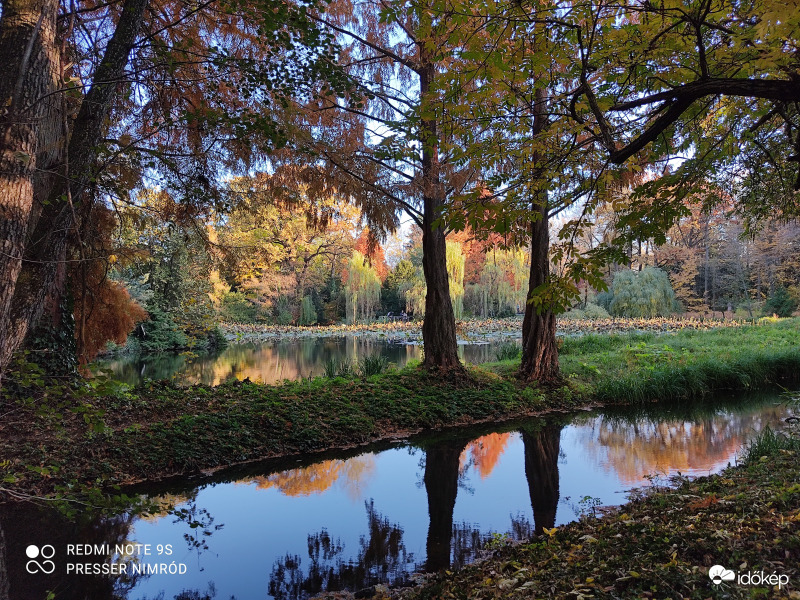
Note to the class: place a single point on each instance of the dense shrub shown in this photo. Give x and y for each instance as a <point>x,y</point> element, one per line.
<point>595,311</point>
<point>573,314</point>
<point>603,300</point>
<point>236,307</point>
<point>780,303</point>
<point>283,312</point>
<point>216,340</point>
<point>160,333</point>
<point>590,311</point>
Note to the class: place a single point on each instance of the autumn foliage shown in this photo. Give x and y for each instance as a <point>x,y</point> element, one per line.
<point>104,311</point>
<point>369,245</point>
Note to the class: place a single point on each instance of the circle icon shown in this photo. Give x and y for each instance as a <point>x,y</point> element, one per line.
<point>46,552</point>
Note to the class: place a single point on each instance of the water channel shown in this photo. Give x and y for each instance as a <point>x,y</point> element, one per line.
<point>287,530</point>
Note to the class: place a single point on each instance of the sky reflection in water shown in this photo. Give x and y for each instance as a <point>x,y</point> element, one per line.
<point>376,517</point>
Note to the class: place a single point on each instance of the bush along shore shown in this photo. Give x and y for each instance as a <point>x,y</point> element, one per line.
<point>660,545</point>
<point>68,442</point>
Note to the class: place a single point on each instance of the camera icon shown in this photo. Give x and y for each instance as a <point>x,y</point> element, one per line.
<point>46,566</point>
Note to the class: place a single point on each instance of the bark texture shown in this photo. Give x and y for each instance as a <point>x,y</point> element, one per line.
<point>439,326</point>
<point>539,349</point>
<point>30,55</point>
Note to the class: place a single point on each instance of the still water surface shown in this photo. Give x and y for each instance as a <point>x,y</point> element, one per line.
<point>272,362</point>
<point>289,530</point>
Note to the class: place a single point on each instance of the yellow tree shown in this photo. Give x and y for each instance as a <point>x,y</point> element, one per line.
<point>363,288</point>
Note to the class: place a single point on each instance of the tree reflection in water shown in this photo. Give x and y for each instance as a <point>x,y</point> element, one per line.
<point>382,558</point>
<point>690,439</point>
<point>442,468</point>
<point>542,448</point>
<point>445,466</point>
<point>468,540</point>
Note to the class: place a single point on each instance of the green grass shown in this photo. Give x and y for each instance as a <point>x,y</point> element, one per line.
<point>162,429</point>
<point>639,368</point>
<point>768,444</point>
<point>373,365</point>
<point>508,351</point>
<point>334,368</point>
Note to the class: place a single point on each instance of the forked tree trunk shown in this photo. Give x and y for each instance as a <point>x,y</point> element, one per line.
<point>439,326</point>
<point>26,285</point>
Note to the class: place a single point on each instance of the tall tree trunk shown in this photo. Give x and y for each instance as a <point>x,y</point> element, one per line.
<point>29,53</point>
<point>441,483</point>
<point>541,470</point>
<point>439,326</point>
<point>38,275</point>
<point>539,349</point>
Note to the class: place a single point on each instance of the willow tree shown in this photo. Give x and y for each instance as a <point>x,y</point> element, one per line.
<point>455,276</point>
<point>503,283</point>
<point>363,289</point>
<point>647,293</point>
<point>455,262</point>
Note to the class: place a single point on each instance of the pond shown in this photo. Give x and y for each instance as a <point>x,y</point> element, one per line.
<point>274,361</point>
<point>287,530</point>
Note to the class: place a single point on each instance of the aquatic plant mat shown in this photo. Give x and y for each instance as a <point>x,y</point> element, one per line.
<point>54,441</point>
<point>471,329</point>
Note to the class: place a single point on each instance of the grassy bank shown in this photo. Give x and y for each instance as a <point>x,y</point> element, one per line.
<point>160,429</point>
<point>746,519</point>
<point>637,368</point>
<point>51,444</point>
